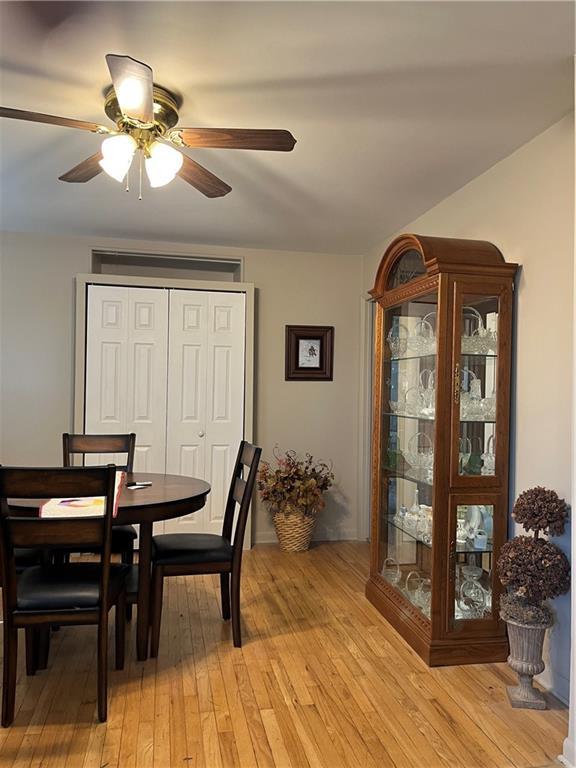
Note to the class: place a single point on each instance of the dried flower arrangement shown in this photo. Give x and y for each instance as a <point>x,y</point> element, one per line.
<point>533,569</point>
<point>294,484</point>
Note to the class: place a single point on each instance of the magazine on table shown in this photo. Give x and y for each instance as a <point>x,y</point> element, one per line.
<point>85,506</point>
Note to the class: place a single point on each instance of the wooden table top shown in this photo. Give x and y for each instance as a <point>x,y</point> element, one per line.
<point>169,496</point>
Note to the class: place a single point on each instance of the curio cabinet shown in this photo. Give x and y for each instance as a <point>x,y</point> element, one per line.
<point>443,335</point>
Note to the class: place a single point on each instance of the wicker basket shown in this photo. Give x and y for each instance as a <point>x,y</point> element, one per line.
<point>294,530</point>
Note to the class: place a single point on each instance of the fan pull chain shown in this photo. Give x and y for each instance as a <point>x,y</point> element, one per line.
<point>140,186</point>
<point>127,181</point>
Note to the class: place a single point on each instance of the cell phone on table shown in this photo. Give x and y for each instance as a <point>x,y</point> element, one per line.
<point>134,484</point>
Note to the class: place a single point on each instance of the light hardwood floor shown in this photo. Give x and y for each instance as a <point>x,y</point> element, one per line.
<point>322,680</point>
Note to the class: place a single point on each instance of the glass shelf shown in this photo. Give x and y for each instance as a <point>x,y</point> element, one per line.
<point>475,355</point>
<point>466,548</point>
<point>411,357</point>
<point>409,474</point>
<point>432,418</point>
<point>477,421</point>
<point>409,416</point>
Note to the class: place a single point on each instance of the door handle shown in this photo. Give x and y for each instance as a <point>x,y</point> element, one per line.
<point>457,383</point>
<point>200,434</point>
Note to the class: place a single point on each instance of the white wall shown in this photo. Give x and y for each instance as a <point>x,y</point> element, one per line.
<point>37,322</point>
<point>525,206</point>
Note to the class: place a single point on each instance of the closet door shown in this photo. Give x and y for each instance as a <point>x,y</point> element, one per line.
<point>126,369</point>
<point>205,396</point>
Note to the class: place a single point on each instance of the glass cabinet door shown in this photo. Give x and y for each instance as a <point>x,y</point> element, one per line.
<point>407,449</point>
<point>477,390</point>
<point>471,597</point>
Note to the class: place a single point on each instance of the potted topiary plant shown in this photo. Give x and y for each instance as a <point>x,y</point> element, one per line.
<point>533,570</point>
<point>294,492</point>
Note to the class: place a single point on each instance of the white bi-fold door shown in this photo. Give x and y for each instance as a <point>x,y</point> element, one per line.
<point>168,365</point>
<point>126,369</point>
<point>205,396</point>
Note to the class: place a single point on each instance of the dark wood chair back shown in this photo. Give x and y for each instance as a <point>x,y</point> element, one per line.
<point>241,489</point>
<point>34,531</point>
<point>86,444</point>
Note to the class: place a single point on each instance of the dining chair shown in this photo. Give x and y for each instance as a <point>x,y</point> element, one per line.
<point>123,536</point>
<point>65,594</point>
<point>187,554</point>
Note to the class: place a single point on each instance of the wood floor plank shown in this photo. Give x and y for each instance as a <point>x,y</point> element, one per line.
<point>322,681</point>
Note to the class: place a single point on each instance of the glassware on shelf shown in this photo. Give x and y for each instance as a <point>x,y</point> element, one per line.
<point>398,340</point>
<point>412,585</point>
<point>420,452</point>
<point>400,516</point>
<point>424,524</point>
<point>480,539</point>
<point>391,571</point>
<point>411,518</point>
<point>422,340</point>
<point>481,341</point>
<point>488,520</point>
<point>465,453</point>
<point>473,406</point>
<point>489,407</point>
<point>489,458</point>
<point>413,402</point>
<point>473,519</point>
<point>471,596</point>
<point>427,381</point>
<point>424,596</point>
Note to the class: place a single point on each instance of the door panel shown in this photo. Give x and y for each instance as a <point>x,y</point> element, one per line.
<point>185,452</point>
<point>106,364</point>
<point>206,396</point>
<point>126,369</point>
<point>225,397</point>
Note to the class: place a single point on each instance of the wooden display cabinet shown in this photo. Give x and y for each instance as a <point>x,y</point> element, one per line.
<point>443,337</point>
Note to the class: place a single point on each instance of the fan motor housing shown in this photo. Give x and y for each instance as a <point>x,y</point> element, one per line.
<point>166,107</point>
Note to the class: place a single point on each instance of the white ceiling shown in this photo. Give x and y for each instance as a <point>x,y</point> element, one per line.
<point>394,105</point>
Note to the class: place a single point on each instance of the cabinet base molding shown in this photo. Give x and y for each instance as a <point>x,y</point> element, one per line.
<point>436,653</point>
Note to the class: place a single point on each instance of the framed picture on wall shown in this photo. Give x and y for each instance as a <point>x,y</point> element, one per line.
<point>309,352</point>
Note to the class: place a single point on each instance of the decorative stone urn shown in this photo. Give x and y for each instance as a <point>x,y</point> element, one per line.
<point>526,642</point>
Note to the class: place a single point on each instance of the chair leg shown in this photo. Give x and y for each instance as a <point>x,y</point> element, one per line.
<point>225,595</point>
<point>128,559</point>
<point>236,631</point>
<point>102,672</point>
<point>9,672</point>
<point>31,650</point>
<point>120,630</point>
<point>43,644</point>
<point>156,608</point>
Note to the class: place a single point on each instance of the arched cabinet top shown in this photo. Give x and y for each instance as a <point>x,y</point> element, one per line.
<point>410,258</point>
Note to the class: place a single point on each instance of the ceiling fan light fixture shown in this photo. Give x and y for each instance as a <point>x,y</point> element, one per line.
<point>162,164</point>
<point>118,152</point>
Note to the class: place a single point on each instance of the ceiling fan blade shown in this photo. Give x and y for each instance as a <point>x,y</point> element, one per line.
<point>201,178</point>
<point>236,138</point>
<point>84,171</point>
<point>38,117</point>
<point>132,82</point>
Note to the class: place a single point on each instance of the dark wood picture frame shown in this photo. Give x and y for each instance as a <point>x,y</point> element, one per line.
<point>305,343</point>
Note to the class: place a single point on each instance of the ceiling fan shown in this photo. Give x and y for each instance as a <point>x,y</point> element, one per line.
<point>145,115</point>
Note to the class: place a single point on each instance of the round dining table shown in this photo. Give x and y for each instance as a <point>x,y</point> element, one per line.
<point>167,497</point>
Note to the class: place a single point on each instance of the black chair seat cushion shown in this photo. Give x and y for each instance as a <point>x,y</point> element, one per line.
<point>25,557</point>
<point>75,586</point>
<point>186,548</point>
<point>123,537</point>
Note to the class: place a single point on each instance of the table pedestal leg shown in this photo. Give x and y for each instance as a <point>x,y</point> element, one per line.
<point>143,615</point>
